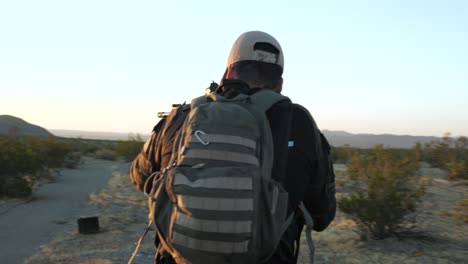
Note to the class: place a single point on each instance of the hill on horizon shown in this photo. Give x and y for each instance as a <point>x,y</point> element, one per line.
<point>341,138</point>
<point>336,138</point>
<point>10,123</point>
<point>96,134</point>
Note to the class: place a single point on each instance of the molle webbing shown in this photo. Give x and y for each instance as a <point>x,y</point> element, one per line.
<point>221,155</point>
<point>227,139</point>
<point>213,220</point>
<point>234,227</point>
<point>209,245</point>
<point>212,203</point>
<point>224,182</point>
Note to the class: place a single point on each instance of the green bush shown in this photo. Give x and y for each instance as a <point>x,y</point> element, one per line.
<point>25,159</point>
<point>18,157</point>
<point>15,186</point>
<point>129,149</point>
<point>106,154</point>
<point>458,212</point>
<point>385,190</point>
<point>342,154</point>
<point>16,160</point>
<point>449,154</point>
<point>456,169</point>
<point>72,160</point>
<point>52,150</point>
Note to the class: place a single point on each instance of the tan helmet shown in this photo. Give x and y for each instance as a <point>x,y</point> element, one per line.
<point>245,49</point>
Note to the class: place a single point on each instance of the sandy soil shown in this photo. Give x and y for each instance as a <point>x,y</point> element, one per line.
<point>122,211</point>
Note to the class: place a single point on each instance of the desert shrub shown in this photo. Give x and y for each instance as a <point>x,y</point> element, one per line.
<point>106,154</point>
<point>129,149</point>
<point>17,157</point>
<point>16,160</point>
<point>456,169</point>
<point>449,154</point>
<point>342,154</point>
<point>89,146</point>
<point>458,212</point>
<point>15,186</point>
<point>52,150</point>
<point>345,153</point>
<point>25,159</point>
<point>72,160</point>
<point>385,190</point>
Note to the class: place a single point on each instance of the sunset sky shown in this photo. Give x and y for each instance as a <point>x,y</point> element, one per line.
<point>398,67</point>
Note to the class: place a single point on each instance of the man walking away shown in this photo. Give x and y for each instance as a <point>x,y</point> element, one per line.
<point>293,164</point>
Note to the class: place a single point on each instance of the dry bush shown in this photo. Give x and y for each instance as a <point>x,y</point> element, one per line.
<point>73,160</point>
<point>385,191</point>
<point>449,154</point>
<point>459,212</point>
<point>456,169</point>
<point>106,154</point>
<point>129,149</point>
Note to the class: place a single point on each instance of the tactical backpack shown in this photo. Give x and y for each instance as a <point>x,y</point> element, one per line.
<point>216,202</point>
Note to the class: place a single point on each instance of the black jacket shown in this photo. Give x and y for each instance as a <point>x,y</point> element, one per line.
<point>301,162</point>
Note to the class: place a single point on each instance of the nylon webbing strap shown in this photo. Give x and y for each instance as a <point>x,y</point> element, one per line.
<point>215,203</point>
<point>230,183</point>
<point>215,226</point>
<point>309,225</point>
<point>227,139</point>
<point>266,98</point>
<point>197,101</point>
<point>210,245</point>
<point>222,155</point>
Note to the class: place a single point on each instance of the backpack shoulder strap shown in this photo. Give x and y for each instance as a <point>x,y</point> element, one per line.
<point>197,101</point>
<point>266,98</point>
<point>261,101</point>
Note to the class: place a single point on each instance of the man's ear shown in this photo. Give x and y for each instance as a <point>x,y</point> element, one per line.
<point>279,86</point>
<point>229,72</point>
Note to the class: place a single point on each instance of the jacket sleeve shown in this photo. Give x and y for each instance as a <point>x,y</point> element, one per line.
<point>146,162</point>
<point>320,198</point>
<point>319,194</point>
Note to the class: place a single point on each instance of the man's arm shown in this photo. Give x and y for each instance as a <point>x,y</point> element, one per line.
<point>320,198</point>
<point>312,156</point>
<point>157,151</point>
<point>145,164</point>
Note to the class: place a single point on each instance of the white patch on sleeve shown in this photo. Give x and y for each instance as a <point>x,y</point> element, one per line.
<point>290,144</point>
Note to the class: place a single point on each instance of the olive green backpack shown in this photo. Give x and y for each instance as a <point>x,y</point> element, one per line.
<point>217,202</point>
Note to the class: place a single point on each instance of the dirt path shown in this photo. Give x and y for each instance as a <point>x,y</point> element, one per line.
<point>54,209</point>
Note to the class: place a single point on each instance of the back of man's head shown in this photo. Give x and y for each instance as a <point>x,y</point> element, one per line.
<point>256,58</point>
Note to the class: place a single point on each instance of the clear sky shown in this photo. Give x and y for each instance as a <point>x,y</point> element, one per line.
<point>395,66</point>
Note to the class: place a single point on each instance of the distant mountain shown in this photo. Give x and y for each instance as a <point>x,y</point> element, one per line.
<point>340,138</point>
<point>95,135</point>
<point>336,138</point>
<point>10,123</point>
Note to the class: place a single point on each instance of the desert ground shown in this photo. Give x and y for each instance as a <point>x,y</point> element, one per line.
<point>122,214</point>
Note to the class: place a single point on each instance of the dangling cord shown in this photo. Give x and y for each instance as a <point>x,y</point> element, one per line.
<point>130,261</point>
<point>309,226</point>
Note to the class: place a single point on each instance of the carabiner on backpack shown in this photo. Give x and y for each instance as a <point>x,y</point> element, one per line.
<point>197,135</point>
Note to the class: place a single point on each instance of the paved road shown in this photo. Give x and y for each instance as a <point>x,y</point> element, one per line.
<point>55,207</point>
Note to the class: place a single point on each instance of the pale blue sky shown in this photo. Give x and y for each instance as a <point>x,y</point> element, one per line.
<point>371,66</point>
